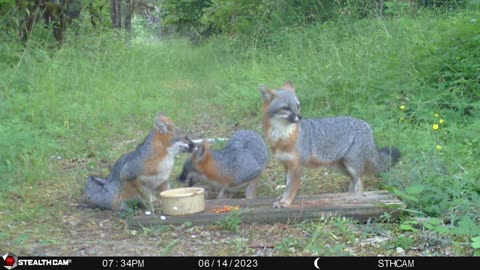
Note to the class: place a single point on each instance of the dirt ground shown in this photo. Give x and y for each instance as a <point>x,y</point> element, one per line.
<point>76,230</point>
<point>72,229</point>
<point>87,232</point>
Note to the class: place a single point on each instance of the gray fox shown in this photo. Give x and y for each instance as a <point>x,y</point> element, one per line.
<point>343,142</point>
<point>141,173</point>
<point>239,163</point>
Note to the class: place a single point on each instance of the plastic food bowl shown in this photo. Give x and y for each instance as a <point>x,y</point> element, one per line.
<point>183,201</point>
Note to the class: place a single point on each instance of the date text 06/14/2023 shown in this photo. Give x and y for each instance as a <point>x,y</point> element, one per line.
<point>230,263</point>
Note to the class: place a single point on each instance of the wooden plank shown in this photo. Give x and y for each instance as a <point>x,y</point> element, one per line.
<point>360,206</point>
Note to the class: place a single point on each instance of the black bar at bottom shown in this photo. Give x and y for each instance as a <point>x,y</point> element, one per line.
<point>296,263</point>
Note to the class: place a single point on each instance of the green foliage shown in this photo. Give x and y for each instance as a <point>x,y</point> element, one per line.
<point>128,213</point>
<point>459,230</point>
<point>327,231</point>
<point>405,242</point>
<point>20,239</point>
<point>452,68</point>
<point>362,8</point>
<point>257,20</point>
<point>168,249</point>
<point>409,225</point>
<point>476,245</point>
<point>237,16</point>
<point>435,224</point>
<point>288,246</point>
<point>410,195</point>
<point>405,75</point>
<point>187,16</point>
<point>231,221</point>
<point>52,98</point>
<point>251,19</point>
<point>466,226</point>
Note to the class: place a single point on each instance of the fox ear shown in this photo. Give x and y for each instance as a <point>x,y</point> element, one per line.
<point>267,94</point>
<point>289,86</point>
<point>162,123</point>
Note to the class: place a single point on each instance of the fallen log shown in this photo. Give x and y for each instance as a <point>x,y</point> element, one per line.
<point>360,206</point>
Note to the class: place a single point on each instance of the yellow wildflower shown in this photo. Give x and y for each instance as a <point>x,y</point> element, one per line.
<point>435,127</point>
<point>436,115</point>
<point>439,147</point>
<point>441,121</point>
<point>402,107</point>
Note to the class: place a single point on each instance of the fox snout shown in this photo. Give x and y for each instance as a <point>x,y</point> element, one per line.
<point>294,117</point>
<point>188,145</point>
<point>191,145</point>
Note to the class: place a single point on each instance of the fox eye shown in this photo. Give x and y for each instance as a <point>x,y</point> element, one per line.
<point>285,108</point>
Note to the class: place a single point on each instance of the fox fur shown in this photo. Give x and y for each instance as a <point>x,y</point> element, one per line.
<point>142,173</point>
<point>238,164</point>
<point>343,142</point>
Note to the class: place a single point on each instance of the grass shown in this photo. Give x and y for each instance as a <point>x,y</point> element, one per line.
<point>66,112</point>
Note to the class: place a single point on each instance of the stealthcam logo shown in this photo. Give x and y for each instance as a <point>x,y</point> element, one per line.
<point>10,260</point>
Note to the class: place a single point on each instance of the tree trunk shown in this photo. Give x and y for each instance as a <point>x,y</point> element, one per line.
<point>30,20</point>
<point>116,14</point>
<point>59,25</point>
<point>128,15</point>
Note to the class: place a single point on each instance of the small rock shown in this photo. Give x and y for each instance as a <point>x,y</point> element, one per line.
<point>205,233</point>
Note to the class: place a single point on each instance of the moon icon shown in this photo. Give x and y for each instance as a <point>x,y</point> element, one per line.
<point>315,263</point>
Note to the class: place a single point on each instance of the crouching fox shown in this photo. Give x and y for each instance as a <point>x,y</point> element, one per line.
<point>142,173</point>
<point>343,142</point>
<point>238,164</point>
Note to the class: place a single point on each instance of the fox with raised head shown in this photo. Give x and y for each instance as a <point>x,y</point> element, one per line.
<point>343,142</point>
<point>240,163</point>
<point>142,173</point>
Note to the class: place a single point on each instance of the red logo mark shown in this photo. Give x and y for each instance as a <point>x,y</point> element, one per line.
<point>10,261</point>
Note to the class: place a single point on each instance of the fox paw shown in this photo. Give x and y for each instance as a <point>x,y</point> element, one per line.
<point>281,204</point>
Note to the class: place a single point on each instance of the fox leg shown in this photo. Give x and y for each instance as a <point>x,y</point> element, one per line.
<point>129,191</point>
<point>149,196</point>
<point>223,194</point>
<point>251,189</point>
<point>355,175</point>
<point>293,178</point>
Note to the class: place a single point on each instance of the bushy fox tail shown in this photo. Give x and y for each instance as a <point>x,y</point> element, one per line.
<point>389,156</point>
<point>100,181</point>
<point>99,194</point>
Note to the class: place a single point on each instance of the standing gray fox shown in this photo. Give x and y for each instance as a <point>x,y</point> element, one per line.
<point>142,173</point>
<point>343,142</point>
<point>239,163</point>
